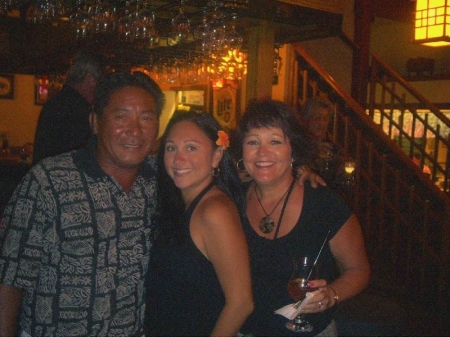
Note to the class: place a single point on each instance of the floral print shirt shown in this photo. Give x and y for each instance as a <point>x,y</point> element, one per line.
<point>79,246</point>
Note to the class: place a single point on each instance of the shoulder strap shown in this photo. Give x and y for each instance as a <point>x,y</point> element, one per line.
<point>187,214</point>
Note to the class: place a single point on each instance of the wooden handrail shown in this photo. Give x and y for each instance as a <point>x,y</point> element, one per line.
<point>327,77</point>
<point>413,91</point>
<point>349,42</point>
<point>391,104</point>
<point>368,121</point>
<point>404,216</point>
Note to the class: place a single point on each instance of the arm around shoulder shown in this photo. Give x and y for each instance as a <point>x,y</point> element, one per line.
<point>304,173</point>
<point>10,299</point>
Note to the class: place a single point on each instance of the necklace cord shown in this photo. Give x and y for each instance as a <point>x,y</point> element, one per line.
<point>282,197</point>
<point>266,224</point>
<point>284,207</point>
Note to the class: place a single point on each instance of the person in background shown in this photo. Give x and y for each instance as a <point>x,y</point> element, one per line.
<point>285,220</point>
<point>76,235</point>
<point>63,123</point>
<point>416,160</point>
<point>199,279</point>
<point>316,116</point>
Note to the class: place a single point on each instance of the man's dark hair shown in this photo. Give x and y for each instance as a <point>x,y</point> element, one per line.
<point>118,80</point>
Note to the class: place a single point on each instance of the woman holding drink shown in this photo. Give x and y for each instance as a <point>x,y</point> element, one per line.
<point>285,221</point>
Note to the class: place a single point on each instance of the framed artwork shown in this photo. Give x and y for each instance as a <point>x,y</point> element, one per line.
<point>193,97</point>
<point>7,86</point>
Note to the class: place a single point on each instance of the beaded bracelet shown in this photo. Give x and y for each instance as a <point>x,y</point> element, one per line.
<point>336,296</point>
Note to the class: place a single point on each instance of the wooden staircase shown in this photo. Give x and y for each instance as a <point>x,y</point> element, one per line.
<point>405,216</point>
<point>410,120</point>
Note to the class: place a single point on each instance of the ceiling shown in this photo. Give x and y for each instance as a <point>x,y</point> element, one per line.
<point>39,49</point>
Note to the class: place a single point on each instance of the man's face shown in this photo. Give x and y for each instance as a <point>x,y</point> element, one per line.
<point>318,123</point>
<point>126,131</point>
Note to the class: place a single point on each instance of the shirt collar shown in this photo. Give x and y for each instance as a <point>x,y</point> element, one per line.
<point>85,159</point>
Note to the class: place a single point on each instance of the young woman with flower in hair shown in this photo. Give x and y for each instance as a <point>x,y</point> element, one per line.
<point>200,276</point>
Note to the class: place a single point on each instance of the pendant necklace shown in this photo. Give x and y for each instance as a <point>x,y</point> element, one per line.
<point>266,224</point>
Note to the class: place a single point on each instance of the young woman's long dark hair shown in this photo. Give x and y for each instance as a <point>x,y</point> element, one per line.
<point>171,202</point>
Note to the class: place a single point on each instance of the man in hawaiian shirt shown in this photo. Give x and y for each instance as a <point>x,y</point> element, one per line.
<point>75,239</point>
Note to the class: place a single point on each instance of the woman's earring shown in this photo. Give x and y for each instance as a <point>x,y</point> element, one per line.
<point>215,171</point>
<point>292,162</point>
<point>240,168</point>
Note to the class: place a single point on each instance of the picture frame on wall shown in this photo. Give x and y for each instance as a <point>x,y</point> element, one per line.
<point>194,97</point>
<point>6,86</point>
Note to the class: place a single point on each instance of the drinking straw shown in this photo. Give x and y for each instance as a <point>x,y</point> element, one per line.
<point>317,257</point>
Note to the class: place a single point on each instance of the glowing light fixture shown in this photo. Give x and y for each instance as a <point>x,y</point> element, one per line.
<point>432,24</point>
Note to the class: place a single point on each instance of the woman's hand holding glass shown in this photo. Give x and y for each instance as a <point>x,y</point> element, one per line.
<point>323,299</point>
<point>298,286</point>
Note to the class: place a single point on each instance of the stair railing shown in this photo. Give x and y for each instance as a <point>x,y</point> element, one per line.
<point>404,216</point>
<point>411,124</point>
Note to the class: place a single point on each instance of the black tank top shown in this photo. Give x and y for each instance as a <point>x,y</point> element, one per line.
<point>185,297</point>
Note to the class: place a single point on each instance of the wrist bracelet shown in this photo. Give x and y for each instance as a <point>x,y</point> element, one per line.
<point>336,296</point>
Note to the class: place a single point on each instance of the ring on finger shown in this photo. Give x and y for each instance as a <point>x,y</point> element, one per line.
<point>320,304</point>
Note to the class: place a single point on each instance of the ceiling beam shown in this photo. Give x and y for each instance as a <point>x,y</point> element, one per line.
<point>398,10</point>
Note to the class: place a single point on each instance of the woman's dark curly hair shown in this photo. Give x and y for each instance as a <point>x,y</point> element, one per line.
<point>266,113</point>
<point>171,202</point>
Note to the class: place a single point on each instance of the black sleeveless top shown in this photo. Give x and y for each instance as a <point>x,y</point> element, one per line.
<point>271,261</point>
<point>184,294</point>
